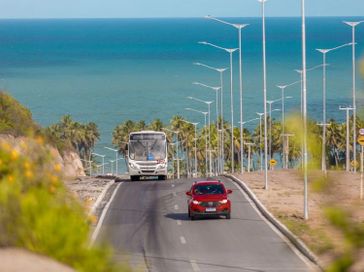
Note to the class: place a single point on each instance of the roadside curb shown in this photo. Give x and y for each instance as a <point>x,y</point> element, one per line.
<point>282,228</point>
<point>97,203</point>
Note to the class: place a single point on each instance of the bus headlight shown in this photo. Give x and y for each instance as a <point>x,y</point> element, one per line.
<point>161,166</point>
<point>133,166</point>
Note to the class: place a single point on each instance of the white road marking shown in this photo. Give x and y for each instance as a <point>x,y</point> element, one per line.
<point>173,185</point>
<point>103,214</point>
<point>174,194</point>
<point>176,207</point>
<point>284,238</point>
<point>194,265</point>
<point>179,222</point>
<point>183,240</point>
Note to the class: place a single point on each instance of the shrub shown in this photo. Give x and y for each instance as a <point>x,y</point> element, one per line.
<point>39,214</point>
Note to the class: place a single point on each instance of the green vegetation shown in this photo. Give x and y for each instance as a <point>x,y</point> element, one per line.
<point>69,134</point>
<point>37,213</point>
<point>15,119</point>
<point>335,144</point>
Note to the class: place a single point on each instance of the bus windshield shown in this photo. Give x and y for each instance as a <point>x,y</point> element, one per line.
<point>147,147</point>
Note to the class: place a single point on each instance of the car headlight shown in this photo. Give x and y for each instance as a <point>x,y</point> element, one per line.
<point>196,202</point>
<point>224,201</point>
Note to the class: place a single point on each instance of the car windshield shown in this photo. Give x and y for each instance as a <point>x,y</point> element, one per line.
<point>208,189</point>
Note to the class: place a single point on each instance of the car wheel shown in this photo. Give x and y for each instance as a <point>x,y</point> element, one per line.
<point>228,216</point>
<point>162,177</point>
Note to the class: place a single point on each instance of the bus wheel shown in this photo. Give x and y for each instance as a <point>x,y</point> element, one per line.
<point>162,177</point>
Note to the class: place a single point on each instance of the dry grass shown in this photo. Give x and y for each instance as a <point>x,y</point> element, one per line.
<point>285,200</point>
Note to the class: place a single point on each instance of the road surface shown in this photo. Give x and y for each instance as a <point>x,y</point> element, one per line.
<point>147,225</point>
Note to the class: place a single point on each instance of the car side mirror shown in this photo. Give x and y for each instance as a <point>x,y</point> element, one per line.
<point>188,193</point>
<point>229,191</point>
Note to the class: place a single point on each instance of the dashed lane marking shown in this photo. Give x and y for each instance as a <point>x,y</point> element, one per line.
<point>179,222</point>
<point>183,240</point>
<point>176,207</point>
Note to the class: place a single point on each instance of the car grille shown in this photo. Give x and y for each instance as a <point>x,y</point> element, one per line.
<point>210,204</point>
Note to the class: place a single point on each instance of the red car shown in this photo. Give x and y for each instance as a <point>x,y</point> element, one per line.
<point>208,198</point>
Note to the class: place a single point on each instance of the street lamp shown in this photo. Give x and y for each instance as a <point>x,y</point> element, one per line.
<point>177,147</point>
<point>304,109</point>
<point>347,109</point>
<point>270,102</point>
<point>195,125</point>
<point>230,51</point>
<point>103,161</point>
<point>324,52</point>
<point>205,115</point>
<point>283,88</point>
<point>116,159</point>
<point>353,25</point>
<point>222,140</point>
<point>301,76</point>
<point>216,89</point>
<point>249,154</point>
<point>239,27</point>
<point>242,143</point>
<point>208,103</point>
<point>260,114</point>
<point>111,166</point>
<point>265,96</point>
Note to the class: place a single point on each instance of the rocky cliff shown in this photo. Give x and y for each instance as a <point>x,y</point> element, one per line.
<point>70,162</point>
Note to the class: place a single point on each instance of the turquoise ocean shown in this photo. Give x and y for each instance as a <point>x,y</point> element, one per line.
<point>111,70</point>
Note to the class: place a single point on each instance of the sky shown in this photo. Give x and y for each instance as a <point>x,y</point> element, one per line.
<point>173,8</point>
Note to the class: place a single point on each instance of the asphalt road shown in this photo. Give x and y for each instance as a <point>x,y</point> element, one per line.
<point>147,225</point>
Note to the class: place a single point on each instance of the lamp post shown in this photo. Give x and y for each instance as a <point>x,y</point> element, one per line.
<point>265,96</point>
<point>283,88</point>
<point>195,125</point>
<point>301,76</point>
<point>249,154</point>
<point>205,115</point>
<point>216,89</point>
<point>242,126</point>
<point>103,161</point>
<point>116,159</point>
<point>347,162</point>
<point>230,51</point>
<point>304,109</point>
<point>270,102</point>
<point>177,147</point>
<point>239,27</point>
<point>260,114</point>
<point>260,140</point>
<point>222,140</point>
<point>208,103</point>
<point>353,26</point>
<point>324,52</point>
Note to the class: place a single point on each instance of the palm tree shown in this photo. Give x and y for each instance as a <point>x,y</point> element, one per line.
<point>156,125</point>
<point>120,135</point>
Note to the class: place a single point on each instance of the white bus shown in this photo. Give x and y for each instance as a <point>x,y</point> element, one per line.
<point>147,155</point>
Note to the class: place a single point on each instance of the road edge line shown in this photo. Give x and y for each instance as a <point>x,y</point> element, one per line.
<point>100,198</point>
<point>103,215</point>
<point>297,242</point>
